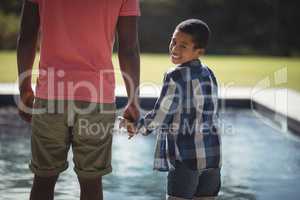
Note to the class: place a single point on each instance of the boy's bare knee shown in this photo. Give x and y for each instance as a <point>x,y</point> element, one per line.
<point>174,198</point>
<point>204,198</point>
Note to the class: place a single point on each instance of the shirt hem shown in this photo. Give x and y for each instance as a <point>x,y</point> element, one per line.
<point>78,98</point>
<point>199,170</point>
<point>130,13</point>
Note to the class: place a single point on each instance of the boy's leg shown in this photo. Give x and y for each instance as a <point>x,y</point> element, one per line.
<point>209,185</point>
<point>174,198</point>
<point>91,145</point>
<point>205,198</point>
<point>182,183</point>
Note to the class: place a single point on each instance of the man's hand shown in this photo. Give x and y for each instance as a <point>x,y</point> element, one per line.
<point>128,125</point>
<point>25,105</point>
<point>131,115</point>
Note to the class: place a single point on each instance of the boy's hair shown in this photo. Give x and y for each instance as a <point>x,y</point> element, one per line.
<point>198,29</point>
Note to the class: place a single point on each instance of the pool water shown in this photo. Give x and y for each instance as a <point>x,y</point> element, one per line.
<point>259,162</point>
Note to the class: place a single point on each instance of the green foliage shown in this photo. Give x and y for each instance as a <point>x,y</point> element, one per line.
<point>264,27</point>
<point>238,27</point>
<point>8,30</point>
<point>11,6</point>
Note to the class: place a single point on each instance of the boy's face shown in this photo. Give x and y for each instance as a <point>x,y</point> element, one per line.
<point>182,48</point>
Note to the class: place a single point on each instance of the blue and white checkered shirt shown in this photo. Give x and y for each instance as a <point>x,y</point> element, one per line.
<point>185,119</point>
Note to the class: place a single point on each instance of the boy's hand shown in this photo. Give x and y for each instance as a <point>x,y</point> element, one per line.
<point>128,125</point>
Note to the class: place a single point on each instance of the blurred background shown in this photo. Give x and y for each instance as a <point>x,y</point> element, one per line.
<point>251,39</point>
<point>264,27</point>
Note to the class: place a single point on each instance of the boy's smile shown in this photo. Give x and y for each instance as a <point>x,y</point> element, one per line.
<point>182,48</point>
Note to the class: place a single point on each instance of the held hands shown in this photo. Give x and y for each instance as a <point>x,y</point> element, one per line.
<point>130,116</point>
<point>128,125</point>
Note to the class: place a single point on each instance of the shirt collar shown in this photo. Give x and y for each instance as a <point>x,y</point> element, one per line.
<point>192,63</point>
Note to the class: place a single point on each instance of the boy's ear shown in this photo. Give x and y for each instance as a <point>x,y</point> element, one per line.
<point>200,51</point>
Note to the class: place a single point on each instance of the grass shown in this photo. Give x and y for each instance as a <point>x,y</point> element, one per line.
<point>230,70</point>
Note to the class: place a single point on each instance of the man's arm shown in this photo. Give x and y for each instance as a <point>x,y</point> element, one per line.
<point>26,47</point>
<point>129,59</point>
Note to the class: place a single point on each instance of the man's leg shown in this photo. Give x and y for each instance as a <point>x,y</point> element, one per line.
<point>43,188</point>
<point>91,189</point>
<point>91,145</point>
<point>50,142</point>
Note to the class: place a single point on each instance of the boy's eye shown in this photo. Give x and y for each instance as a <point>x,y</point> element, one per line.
<point>183,46</point>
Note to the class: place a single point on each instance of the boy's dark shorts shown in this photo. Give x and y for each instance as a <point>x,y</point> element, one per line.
<point>59,124</point>
<point>184,183</point>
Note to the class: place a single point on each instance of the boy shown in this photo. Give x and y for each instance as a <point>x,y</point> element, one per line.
<point>184,118</point>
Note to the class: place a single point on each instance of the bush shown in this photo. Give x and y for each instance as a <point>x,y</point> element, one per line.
<point>9,27</point>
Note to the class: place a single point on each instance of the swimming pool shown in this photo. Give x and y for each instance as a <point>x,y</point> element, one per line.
<point>259,162</point>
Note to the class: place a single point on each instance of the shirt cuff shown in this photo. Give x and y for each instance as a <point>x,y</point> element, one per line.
<point>142,127</point>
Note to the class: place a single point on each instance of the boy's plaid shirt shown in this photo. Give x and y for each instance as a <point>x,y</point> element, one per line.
<point>185,118</point>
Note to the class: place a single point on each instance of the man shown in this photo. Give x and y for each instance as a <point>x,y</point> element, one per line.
<point>75,73</point>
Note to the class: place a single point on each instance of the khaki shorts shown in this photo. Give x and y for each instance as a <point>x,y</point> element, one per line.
<point>58,125</point>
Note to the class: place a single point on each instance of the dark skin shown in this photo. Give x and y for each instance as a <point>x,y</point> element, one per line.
<point>27,43</point>
<point>91,188</point>
<point>129,56</point>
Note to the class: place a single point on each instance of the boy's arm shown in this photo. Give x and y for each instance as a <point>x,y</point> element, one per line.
<point>26,48</point>
<point>129,59</point>
<point>165,108</point>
